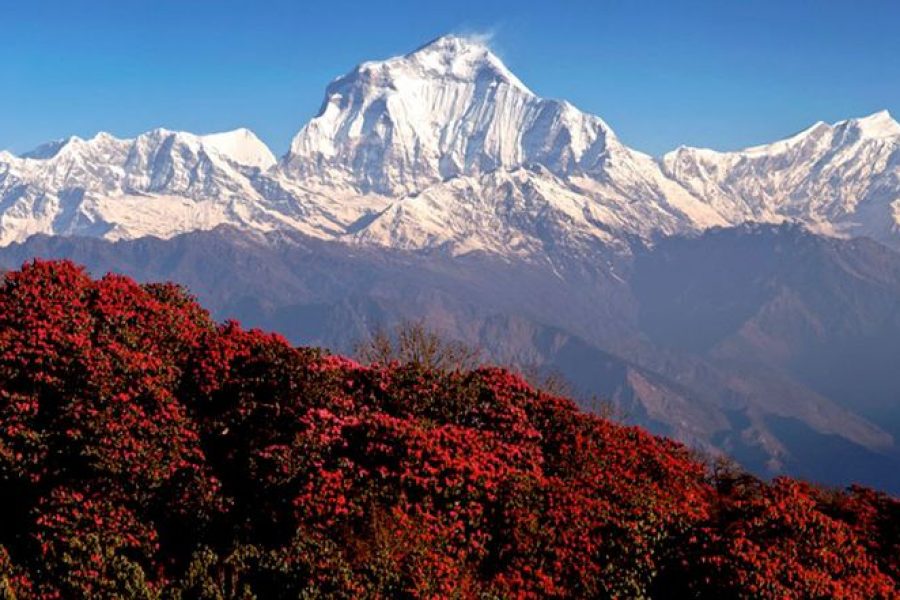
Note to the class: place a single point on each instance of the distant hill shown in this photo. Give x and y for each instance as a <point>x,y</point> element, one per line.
<point>770,344</point>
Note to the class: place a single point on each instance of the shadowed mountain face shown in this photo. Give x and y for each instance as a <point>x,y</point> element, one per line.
<point>823,310</point>
<point>811,322</point>
<point>786,363</point>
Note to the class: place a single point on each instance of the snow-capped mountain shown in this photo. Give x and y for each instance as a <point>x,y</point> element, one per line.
<point>838,179</point>
<point>471,158</point>
<point>160,183</point>
<point>450,108</point>
<point>446,148</point>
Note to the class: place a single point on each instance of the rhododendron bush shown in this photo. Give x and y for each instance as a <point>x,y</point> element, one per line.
<point>149,452</point>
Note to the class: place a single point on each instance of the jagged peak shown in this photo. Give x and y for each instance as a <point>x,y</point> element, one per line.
<point>877,125</point>
<point>50,150</point>
<point>817,128</point>
<point>162,133</point>
<point>449,107</point>
<point>242,146</point>
<point>462,56</point>
<point>449,57</point>
<point>103,136</point>
<point>454,43</point>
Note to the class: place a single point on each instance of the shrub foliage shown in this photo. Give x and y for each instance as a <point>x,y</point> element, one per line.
<point>148,452</point>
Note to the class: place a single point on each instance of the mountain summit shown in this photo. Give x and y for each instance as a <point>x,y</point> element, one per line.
<point>450,108</point>
<point>841,179</point>
<point>445,148</point>
<point>160,183</point>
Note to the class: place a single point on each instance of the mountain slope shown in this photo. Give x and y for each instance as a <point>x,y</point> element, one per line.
<point>796,345</point>
<point>149,451</point>
<point>160,183</point>
<point>445,149</point>
<point>450,108</point>
<point>471,159</point>
<point>841,179</point>
<point>806,331</point>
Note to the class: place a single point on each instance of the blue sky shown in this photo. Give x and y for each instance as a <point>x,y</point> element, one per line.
<point>716,73</point>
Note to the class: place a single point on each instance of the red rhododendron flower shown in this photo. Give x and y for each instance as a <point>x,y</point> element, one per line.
<point>147,452</point>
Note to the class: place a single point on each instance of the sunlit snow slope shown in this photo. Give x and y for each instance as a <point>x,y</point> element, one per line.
<point>446,148</point>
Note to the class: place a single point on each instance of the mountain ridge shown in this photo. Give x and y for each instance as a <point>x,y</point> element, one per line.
<point>444,148</point>
<point>795,344</point>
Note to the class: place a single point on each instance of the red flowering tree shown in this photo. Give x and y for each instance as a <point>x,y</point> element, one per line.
<point>147,452</point>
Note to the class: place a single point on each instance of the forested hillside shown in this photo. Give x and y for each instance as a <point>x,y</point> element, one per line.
<point>149,452</point>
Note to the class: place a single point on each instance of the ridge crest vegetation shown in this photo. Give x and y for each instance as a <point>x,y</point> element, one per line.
<point>149,452</point>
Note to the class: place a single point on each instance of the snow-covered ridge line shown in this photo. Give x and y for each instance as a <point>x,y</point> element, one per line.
<point>240,145</point>
<point>444,147</point>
